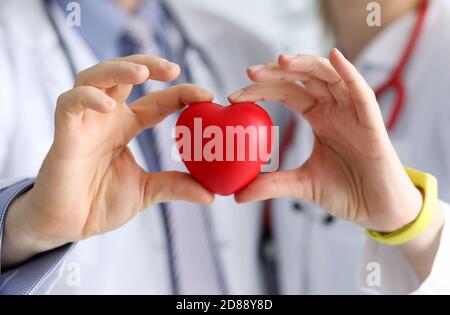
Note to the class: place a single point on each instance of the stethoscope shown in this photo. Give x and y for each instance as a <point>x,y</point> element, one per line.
<point>394,82</point>
<point>187,45</point>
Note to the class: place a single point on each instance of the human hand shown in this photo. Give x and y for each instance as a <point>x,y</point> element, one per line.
<point>353,171</point>
<point>89,182</point>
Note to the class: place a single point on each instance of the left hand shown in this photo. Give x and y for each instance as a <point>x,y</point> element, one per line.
<point>353,171</point>
<point>90,183</point>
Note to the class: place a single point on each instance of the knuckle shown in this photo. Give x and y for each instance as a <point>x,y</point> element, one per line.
<point>75,95</point>
<point>106,65</point>
<point>61,100</point>
<point>323,61</point>
<point>119,64</point>
<point>186,86</point>
<point>284,76</point>
<point>161,110</point>
<point>80,79</point>
<point>158,60</point>
<point>84,75</point>
<point>294,59</point>
<point>107,68</point>
<point>136,56</point>
<point>84,91</point>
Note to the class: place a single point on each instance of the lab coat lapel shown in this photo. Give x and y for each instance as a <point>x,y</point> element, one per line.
<point>52,77</point>
<point>378,61</point>
<point>55,70</point>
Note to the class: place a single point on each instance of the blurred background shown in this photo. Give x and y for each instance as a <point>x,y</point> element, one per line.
<point>290,25</point>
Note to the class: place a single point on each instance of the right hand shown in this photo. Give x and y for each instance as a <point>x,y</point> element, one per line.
<point>353,170</point>
<point>89,182</point>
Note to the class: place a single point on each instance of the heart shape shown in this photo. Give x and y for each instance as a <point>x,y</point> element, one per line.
<point>224,147</point>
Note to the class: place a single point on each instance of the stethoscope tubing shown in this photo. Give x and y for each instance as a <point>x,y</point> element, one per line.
<point>395,81</point>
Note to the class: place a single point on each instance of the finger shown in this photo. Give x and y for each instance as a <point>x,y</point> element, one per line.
<point>365,101</point>
<point>286,184</point>
<point>316,87</point>
<point>169,186</point>
<point>275,73</point>
<point>320,90</point>
<point>72,104</point>
<point>340,93</point>
<point>111,73</point>
<point>154,107</point>
<point>317,67</point>
<point>290,93</point>
<point>160,68</point>
<point>271,65</point>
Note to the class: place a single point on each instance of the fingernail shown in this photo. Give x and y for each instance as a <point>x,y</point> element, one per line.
<point>236,94</point>
<point>256,68</point>
<point>337,51</point>
<point>170,64</point>
<point>288,56</point>
<point>139,67</point>
<point>208,93</point>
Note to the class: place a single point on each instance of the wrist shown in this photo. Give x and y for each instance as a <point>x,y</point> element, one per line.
<point>419,224</point>
<point>21,240</point>
<point>400,203</point>
<point>408,211</point>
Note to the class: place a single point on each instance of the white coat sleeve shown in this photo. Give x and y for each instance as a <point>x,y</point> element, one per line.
<point>384,270</point>
<point>29,276</point>
<point>6,99</point>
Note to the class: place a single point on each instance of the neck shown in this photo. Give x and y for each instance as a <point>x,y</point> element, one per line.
<point>349,19</point>
<point>130,6</point>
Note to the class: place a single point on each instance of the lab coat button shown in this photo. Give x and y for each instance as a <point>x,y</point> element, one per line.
<point>297,206</point>
<point>329,219</point>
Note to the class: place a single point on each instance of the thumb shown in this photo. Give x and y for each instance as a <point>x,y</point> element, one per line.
<point>288,184</point>
<point>170,186</point>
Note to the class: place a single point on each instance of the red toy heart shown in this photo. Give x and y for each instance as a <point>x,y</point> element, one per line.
<point>217,144</point>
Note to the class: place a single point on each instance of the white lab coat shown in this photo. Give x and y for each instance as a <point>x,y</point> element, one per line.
<point>133,258</point>
<point>328,254</point>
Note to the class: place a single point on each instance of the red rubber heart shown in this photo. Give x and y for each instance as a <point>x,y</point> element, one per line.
<point>224,169</point>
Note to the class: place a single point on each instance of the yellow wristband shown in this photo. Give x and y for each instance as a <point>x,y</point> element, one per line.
<point>427,184</point>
